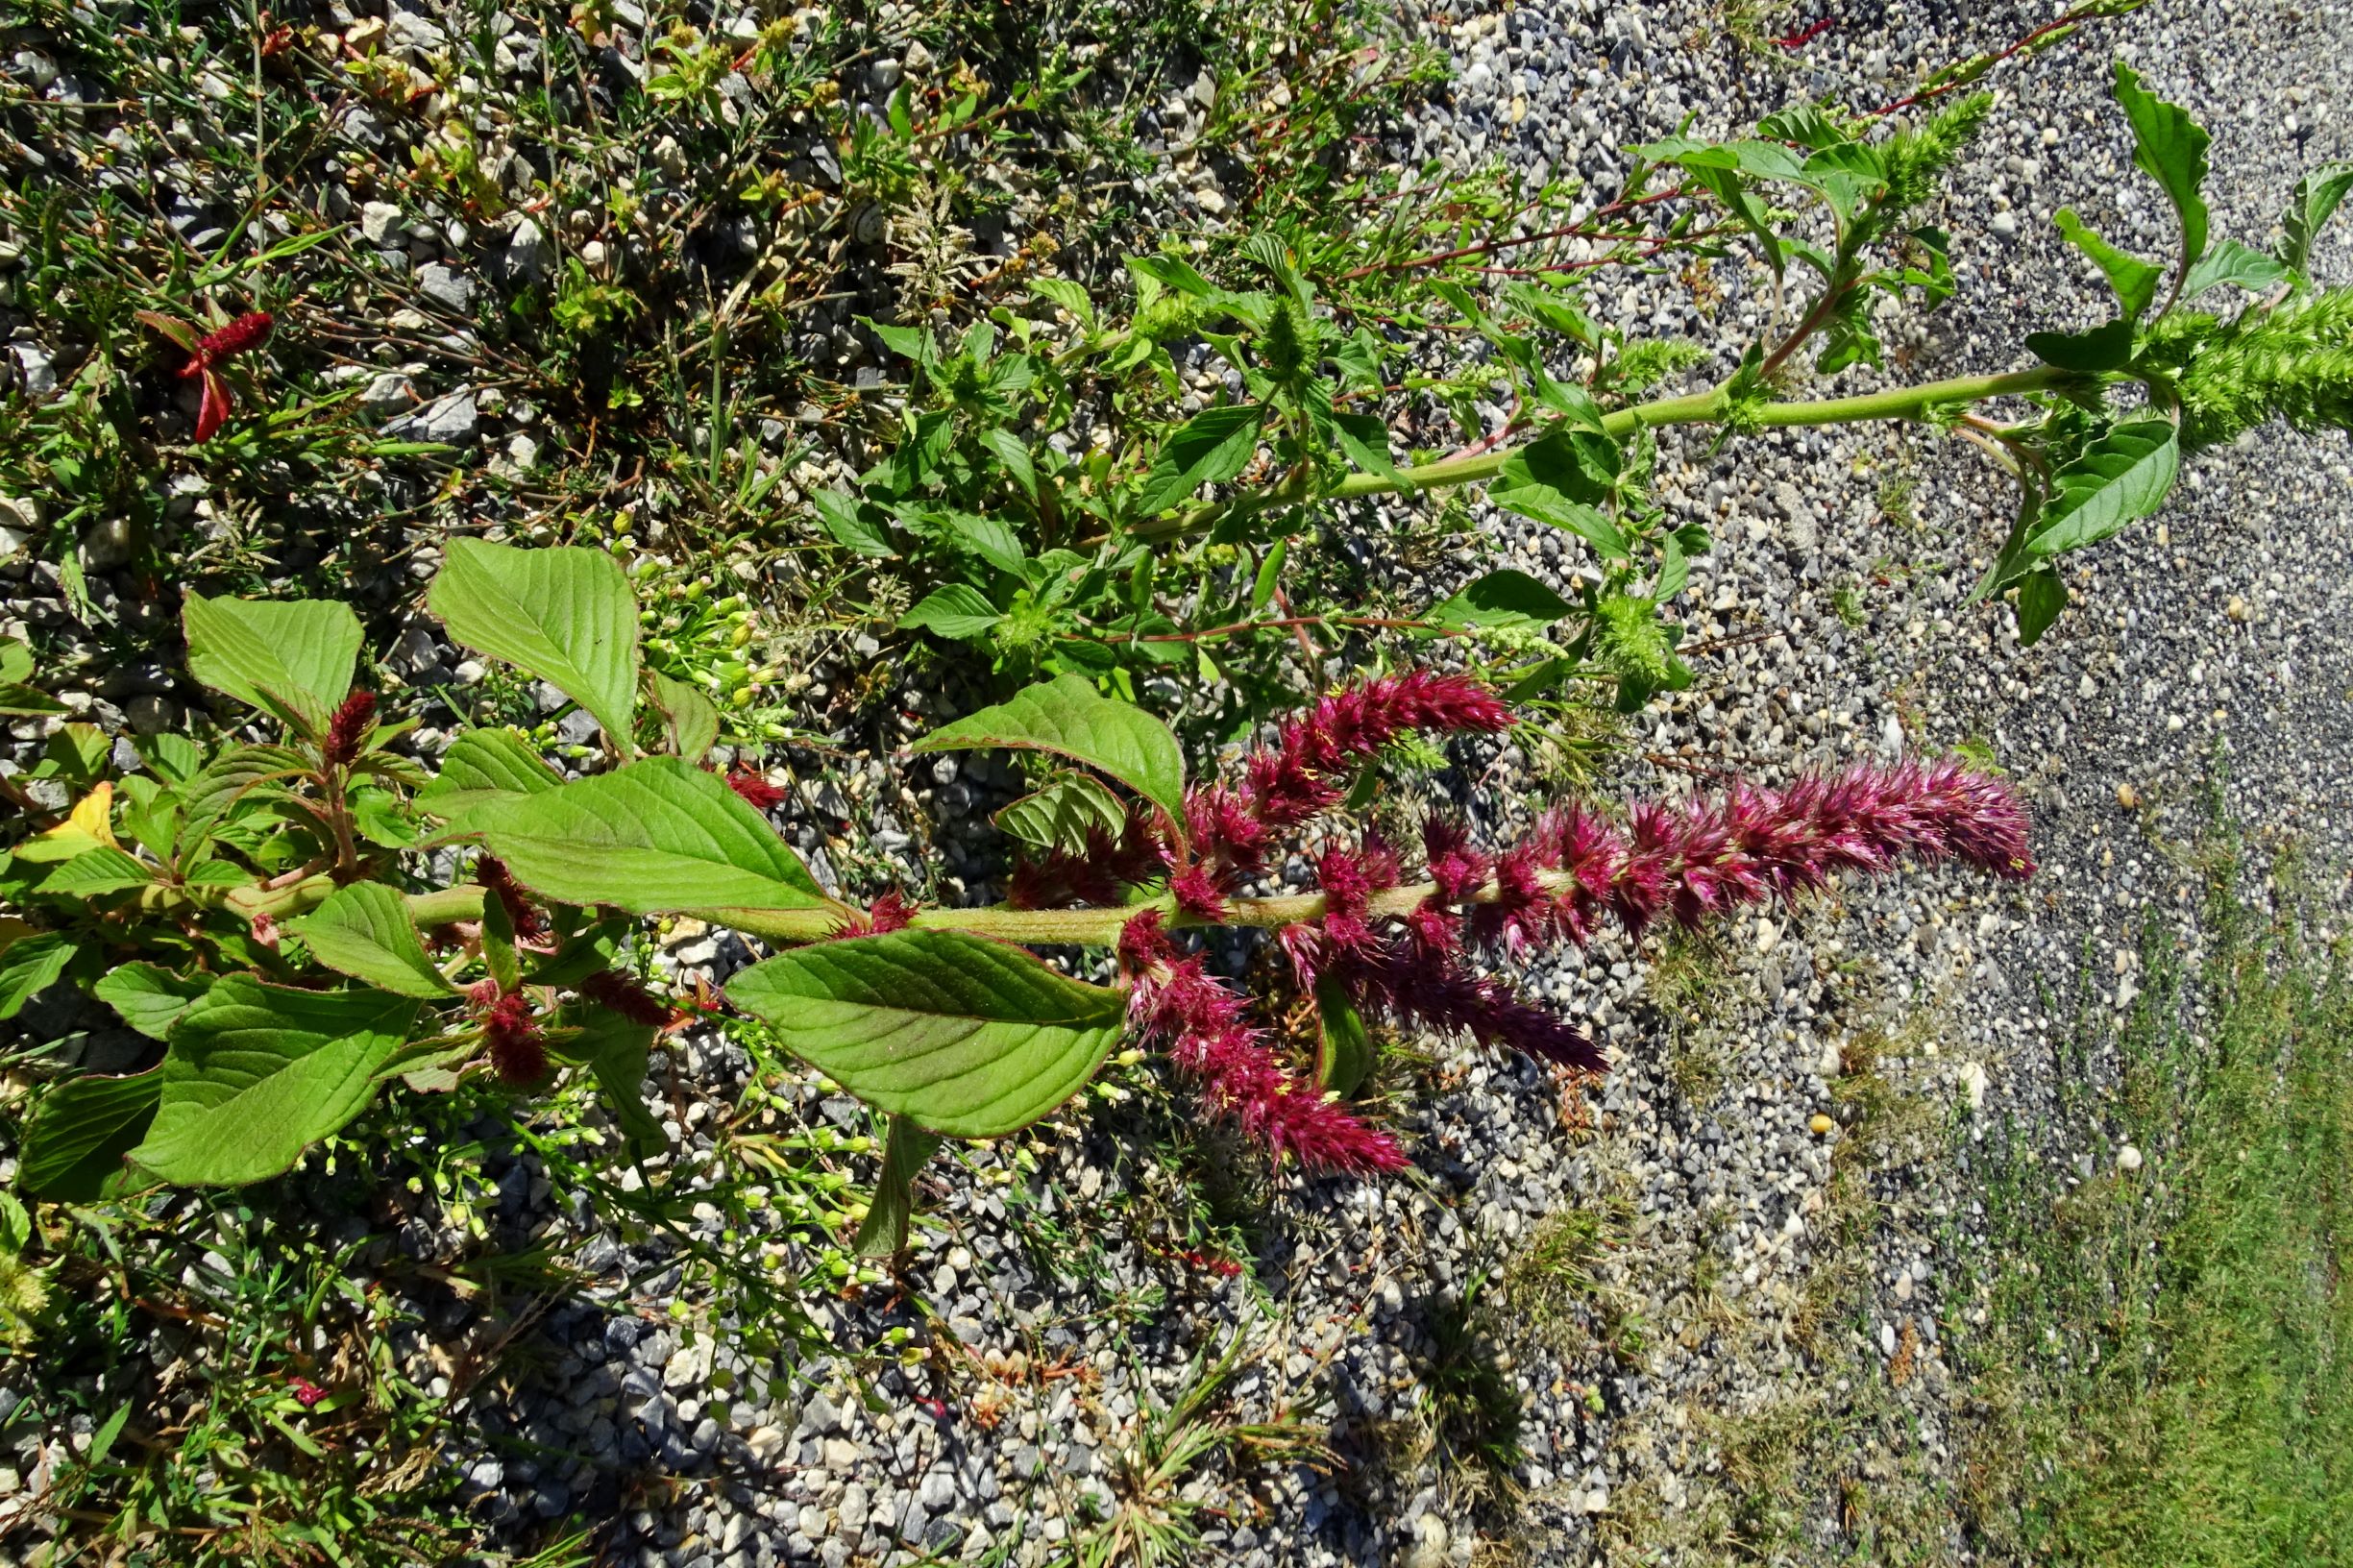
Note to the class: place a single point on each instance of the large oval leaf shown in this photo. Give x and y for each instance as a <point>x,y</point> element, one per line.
<point>1068,717</point>
<point>961,1036</point>
<point>658,836</point>
<point>480,766</point>
<point>563,614</point>
<point>258,1073</point>
<point>291,657</point>
<point>2122,475</point>
<point>365,931</point>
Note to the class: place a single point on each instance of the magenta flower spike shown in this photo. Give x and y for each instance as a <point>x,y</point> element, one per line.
<point>1405,953</point>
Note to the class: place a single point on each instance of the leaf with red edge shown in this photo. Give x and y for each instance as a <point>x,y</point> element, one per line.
<point>214,412</point>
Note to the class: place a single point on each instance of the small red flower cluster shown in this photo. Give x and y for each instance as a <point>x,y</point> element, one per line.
<point>888,913</point>
<point>510,1029</point>
<point>754,789</point>
<point>348,731</point>
<point>1200,1023</point>
<point>249,332</point>
<point>610,987</point>
<point>491,872</point>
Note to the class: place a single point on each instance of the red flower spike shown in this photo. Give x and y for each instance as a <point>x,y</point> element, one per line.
<point>753,788</point>
<point>249,332</point>
<point>1199,1023</point>
<point>348,731</point>
<point>492,874</point>
<point>212,350</point>
<point>516,1049</point>
<point>1407,982</point>
<point>610,987</point>
<point>307,1394</point>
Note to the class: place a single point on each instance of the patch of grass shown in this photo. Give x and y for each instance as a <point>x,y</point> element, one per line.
<point>1153,1515</point>
<point>1471,1400</point>
<point>2166,1371</point>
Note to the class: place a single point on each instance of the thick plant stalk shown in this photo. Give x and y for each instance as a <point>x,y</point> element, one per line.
<point>1708,407</point>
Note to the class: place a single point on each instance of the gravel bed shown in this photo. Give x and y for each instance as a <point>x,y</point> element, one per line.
<point>1733,1278</point>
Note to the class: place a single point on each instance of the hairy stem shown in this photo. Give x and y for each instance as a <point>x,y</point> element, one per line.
<point>1097,927</point>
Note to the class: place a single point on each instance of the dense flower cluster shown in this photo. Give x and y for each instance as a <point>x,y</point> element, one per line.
<point>249,332</point>
<point>517,1051</point>
<point>1199,1022</point>
<point>1303,776</point>
<point>348,731</point>
<point>528,923</point>
<point>1409,954</point>
<point>610,987</point>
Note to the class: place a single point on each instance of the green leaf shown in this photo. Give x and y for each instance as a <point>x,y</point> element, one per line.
<point>957,612</point>
<point>1502,599</point>
<point>1059,816</point>
<point>2171,148</point>
<point>482,766</point>
<point>1758,159</point>
<point>2317,196</point>
<point>1344,1049</point>
<point>1269,576</point>
<point>96,872</point>
<point>1008,450</point>
<point>149,996</point>
<point>1214,445</point>
<point>2134,280</point>
<point>2041,596</point>
<point>689,720</point>
<point>15,699</point>
<point>883,1233</point>
<point>30,966</point>
<point>2231,262</point>
<point>258,1073</point>
<point>1069,718</point>
<point>498,960</point>
<point>1727,187</point>
<point>1807,122</point>
<point>75,1143</point>
<point>964,1037</point>
<point>2104,348</point>
<point>2122,475</point>
<point>290,658</point>
<point>1365,441</point>
<point>990,538</point>
<point>657,837</point>
<point>364,930</point>
<point>1071,296</point>
<point>855,525</point>
<point>1562,479</point>
<point>564,614</point>
<point>239,775</point>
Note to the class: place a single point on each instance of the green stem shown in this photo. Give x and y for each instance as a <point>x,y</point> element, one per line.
<point>1693,408</point>
<point>1097,927</point>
